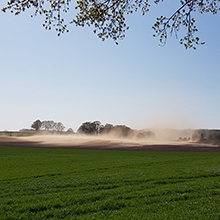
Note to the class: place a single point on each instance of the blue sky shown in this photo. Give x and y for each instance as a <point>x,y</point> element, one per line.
<point>76,77</point>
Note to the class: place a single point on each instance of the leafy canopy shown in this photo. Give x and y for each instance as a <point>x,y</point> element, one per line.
<point>108,16</point>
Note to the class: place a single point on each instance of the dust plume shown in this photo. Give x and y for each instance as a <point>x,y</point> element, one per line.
<point>113,140</point>
<point>109,142</point>
<point>83,140</point>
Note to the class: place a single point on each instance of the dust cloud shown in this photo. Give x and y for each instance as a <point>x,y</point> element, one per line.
<point>160,136</point>
<point>162,140</point>
<point>82,140</point>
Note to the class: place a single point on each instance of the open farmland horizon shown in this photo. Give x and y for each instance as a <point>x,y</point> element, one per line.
<point>159,159</point>
<point>90,132</point>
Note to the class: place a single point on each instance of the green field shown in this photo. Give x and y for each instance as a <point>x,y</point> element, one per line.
<point>16,134</point>
<point>91,184</point>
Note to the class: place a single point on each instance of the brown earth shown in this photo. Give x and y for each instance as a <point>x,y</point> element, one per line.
<point>105,144</point>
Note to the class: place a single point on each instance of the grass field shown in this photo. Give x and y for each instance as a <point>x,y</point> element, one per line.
<point>16,134</point>
<point>90,184</point>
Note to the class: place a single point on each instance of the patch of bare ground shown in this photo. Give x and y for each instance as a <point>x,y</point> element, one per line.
<point>104,143</point>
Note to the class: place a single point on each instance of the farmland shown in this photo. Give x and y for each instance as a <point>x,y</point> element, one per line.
<point>43,183</point>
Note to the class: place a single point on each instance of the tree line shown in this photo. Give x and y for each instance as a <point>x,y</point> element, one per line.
<point>92,128</point>
<point>118,131</point>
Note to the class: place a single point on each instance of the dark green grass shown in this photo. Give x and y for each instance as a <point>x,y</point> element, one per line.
<point>91,184</point>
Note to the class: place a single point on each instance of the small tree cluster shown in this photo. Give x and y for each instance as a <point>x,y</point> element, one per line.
<point>118,131</point>
<point>214,136</point>
<point>90,127</point>
<point>97,128</point>
<point>48,126</point>
<point>206,135</point>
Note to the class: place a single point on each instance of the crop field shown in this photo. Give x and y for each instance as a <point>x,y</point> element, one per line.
<point>40,183</point>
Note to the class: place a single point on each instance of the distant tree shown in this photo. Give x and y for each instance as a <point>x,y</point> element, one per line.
<point>70,130</point>
<point>86,128</point>
<point>36,125</point>
<point>120,131</point>
<point>145,135</point>
<point>90,127</point>
<point>123,130</point>
<point>98,126</point>
<point>108,17</point>
<point>107,128</point>
<point>214,135</point>
<point>59,127</point>
<point>201,134</point>
<point>52,126</point>
<point>48,125</point>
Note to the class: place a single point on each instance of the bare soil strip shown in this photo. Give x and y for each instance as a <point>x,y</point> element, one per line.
<point>104,144</point>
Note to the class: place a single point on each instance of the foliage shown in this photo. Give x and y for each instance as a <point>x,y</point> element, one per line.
<point>70,130</point>
<point>117,131</point>
<point>108,16</point>
<point>59,127</point>
<point>183,17</point>
<point>121,131</point>
<point>36,125</point>
<point>214,136</point>
<point>90,184</point>
<point>145,134</point>
<point>97,128</point>
<point>48,126</point>
<point>206,135</point>
<point>90,127</point>
<point>107,128</point>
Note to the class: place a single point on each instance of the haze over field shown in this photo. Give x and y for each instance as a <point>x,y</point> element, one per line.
<point>78,78</point>
<point>106,142</point>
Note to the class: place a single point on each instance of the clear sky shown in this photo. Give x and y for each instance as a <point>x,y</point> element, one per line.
<point>77,77</point>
